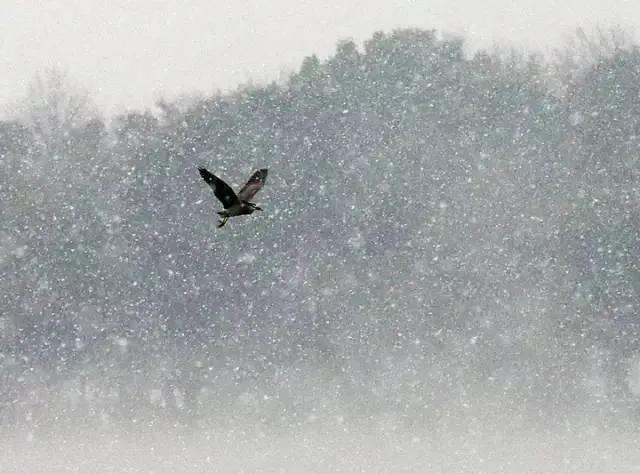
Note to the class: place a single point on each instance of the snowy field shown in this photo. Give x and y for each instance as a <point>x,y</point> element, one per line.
<point>573,450</point>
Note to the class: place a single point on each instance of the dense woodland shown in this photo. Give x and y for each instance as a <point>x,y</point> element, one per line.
<point>444,234</point>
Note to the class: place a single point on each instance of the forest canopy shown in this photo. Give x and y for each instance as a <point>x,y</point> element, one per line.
<point>440,229</point>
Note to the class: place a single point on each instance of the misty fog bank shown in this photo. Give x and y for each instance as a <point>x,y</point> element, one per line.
<point>574,449</point>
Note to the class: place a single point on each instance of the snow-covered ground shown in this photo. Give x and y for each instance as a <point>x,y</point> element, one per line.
<point>575,450</point>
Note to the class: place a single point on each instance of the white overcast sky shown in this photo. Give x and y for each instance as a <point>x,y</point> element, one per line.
<point>128,53</point>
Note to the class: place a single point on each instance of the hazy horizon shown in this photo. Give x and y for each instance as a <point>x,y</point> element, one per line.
<point>128,56</point>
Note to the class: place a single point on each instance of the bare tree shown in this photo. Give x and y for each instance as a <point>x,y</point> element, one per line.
<point>53,108</point>
<point>584,49</point>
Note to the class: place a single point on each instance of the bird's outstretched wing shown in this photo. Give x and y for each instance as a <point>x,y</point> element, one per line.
<point>221,189</point>
<point>254,185</point>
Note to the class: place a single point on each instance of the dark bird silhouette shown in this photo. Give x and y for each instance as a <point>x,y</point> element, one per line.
<point>235,204</point>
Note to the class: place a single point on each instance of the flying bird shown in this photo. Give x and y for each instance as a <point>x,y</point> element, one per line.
<point>235,204</point>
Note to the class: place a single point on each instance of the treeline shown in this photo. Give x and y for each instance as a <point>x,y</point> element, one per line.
<point>443,233</point>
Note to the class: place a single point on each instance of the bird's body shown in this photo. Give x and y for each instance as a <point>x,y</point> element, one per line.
<point>235,204</point>
<point>239,209</point>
